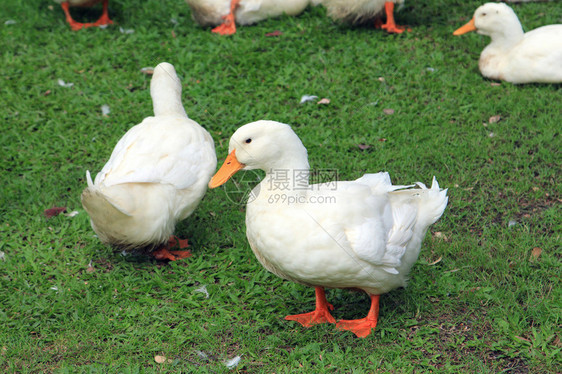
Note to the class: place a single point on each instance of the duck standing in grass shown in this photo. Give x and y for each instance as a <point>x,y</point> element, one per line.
<point>363,234</point>
<point>102,21</point>
<point>227,13</point>
<point>362,11</point>
<point>513,55</point>
<point>155,177</point>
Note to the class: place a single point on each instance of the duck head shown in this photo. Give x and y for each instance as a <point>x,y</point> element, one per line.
<point>265,145</point>
<point>492,19</point>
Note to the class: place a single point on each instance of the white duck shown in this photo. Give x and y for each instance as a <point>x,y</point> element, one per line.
<point>155,177</point>
<point>102,21</point>
<point>512,55</point>
<point>361,11</point>
<point>228,13</point>
<point>362,234</point>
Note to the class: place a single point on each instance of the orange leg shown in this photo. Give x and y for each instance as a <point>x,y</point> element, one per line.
<point>164,253</point>
<point>362,327</point>
<point>104,19</point>
<point>320,315</point>
<point>73,24</point>
<point>390,26</point>
<point>228,27</point>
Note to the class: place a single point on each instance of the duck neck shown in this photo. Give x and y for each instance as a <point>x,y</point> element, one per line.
<point>166,96</point>
<point>509,36</point>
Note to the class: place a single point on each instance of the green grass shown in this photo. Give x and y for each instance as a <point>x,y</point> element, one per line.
<point>487,306</point>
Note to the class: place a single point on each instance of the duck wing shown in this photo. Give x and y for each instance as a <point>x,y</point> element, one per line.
<point>157,151</point>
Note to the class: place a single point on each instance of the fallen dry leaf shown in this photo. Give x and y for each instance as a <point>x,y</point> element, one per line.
<point>440,235</point>
<point>535,253</point>
<point>162,359</point>
<point>495,84</point>
<point>388,111</point>
<point>494,119</point>
<point>147,70</point>
<point>436,261</point>
<point>274,33</point>
<point>54,211</point>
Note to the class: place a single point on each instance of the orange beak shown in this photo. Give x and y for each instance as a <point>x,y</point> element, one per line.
<point>228,169</point>
<point>466,28</point>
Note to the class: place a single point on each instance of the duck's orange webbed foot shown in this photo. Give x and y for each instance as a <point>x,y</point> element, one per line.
<point>320,315</point>
<point>165,253</point>
<point>394,28</point>
<point>362,327</point>
<point>228,27</point>
<point>390,26</point>
<point>73,24</point>
<point>104,20</point>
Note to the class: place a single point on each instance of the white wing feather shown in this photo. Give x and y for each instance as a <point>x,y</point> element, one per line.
<point>178,163</point>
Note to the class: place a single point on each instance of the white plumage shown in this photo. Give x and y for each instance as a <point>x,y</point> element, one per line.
<point>242,12</point>
<point>156,175</point>
<point>362,11</point>
<point>364,234</point>
<point>512,55</point>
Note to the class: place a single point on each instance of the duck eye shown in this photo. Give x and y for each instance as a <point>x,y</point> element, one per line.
<point>248,141</point>
<point>483,14</point>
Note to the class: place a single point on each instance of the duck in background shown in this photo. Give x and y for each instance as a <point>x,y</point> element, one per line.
<point>227,13</point>
<point>363,234</point>
<point>155,177</point>
<point>102,21</point>
<point>362,11</point>
<point>513,55</point>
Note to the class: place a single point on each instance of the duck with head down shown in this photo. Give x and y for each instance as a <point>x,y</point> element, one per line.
<point>225,14</point>
<point>363,11</point>
<point>156,176</point>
